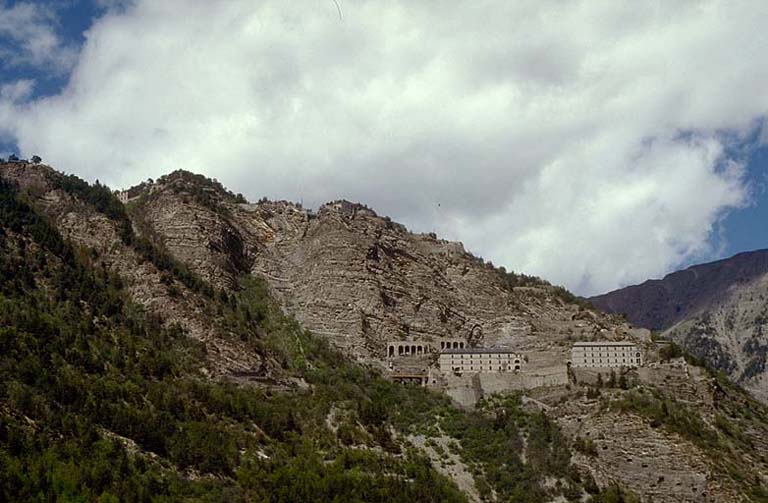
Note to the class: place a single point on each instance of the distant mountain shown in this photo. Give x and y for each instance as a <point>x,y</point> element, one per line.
<point>717,312</point>
<point>658,304</point>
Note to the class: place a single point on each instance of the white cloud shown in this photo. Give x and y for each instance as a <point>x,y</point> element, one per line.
<point>16,91</point>
<point>29,38</point>
<point>575,140</point>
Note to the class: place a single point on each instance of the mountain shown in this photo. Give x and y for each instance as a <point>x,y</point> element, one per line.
<point>717,312</point>
<point>660,304</point>
<point>356,278</point>
<point>174,342</point>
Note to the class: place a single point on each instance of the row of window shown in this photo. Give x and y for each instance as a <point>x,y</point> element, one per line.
<point>623,360</point>
<point>489,357</point>
<point>628,353</point>
<point>481,368</point>
<point>615,360</point>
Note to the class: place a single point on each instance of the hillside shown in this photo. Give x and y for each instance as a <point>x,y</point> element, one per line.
<point>658,304</point>
<point>717,312</point>
<point>356,278</point>
<point>158,350</point>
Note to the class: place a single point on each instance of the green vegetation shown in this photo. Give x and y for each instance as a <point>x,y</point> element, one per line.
<point>615,494</point>
<point>101,198</point>
<point>492,441</point>
<point>203,190</point>
<point>101,402</point>
<point>83,371</point>
<point>512,280</point>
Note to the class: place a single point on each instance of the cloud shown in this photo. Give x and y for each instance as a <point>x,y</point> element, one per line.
<point>28,38</point>
<point>580,141</point>
<point>16,91</point>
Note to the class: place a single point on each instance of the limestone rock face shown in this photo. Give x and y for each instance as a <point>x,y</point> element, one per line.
<point>657,464</point>
<point>357,278</point>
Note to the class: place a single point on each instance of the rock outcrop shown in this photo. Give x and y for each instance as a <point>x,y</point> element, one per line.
<point>357,278</point>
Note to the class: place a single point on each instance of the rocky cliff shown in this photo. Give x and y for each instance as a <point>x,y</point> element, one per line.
<point>357,278</point>
<point>717,312</point>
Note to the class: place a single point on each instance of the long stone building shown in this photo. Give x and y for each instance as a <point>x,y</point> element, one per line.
<point>606,354</point>
<point>480,360</point>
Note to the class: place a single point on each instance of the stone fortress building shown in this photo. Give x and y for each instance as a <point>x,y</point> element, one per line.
<point>606,354</point>
<point>418,348</point>
<point>467,373</point>
<point>479,360</point>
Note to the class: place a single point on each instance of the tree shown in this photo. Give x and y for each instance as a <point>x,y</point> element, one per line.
<point>37,159</point>
<point>623,381</point>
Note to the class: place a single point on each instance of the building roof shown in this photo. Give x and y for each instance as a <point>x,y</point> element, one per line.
<point>604,343</point>
<point>476,351</point>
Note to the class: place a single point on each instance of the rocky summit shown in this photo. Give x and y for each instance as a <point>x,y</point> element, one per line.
<point>175,342</point>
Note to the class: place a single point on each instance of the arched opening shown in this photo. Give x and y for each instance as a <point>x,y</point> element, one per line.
<point>400,350</point>
<point>455,345</point>
<point>420,349</point>
<point>391,351</point>
<point>517,367</point>
<point>413,349</point>
<point>442,344</point>
<point>461,345</point>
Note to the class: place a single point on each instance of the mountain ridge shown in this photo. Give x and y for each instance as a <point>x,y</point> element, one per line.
<point>657,304</point>
<point>266,409</point>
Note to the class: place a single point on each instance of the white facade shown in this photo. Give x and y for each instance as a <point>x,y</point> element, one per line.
<point>606,354</point>
<point>480,360</point>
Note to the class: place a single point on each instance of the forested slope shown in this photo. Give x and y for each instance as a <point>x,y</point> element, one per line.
<point>101,401</point>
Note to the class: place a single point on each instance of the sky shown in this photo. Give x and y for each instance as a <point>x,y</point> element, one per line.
<point>595,144</point>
